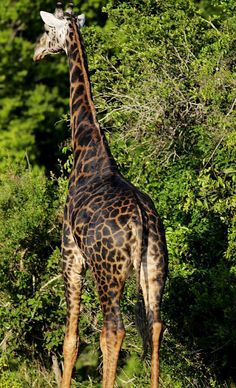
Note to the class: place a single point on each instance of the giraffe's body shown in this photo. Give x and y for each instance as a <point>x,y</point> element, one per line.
<point>109,225</point>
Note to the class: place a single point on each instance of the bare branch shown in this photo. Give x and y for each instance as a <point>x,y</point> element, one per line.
<point>50,281</point>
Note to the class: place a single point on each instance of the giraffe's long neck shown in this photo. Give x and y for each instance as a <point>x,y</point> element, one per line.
<point>91,152</point>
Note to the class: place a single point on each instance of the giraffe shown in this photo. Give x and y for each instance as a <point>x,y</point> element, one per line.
<point>109,226</point>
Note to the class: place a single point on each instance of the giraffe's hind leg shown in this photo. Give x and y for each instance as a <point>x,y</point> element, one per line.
<point>73,271</point>
<point>157,328</point>
<point>152,280</point>
<point>113,331</point>
<point>73,285</point>
<point>111,339</point>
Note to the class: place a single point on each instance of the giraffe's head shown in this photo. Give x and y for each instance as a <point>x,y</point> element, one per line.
<point>56,28</point>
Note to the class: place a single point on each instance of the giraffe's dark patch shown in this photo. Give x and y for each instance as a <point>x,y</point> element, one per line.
<point>71,207</point>
<point>97,199</point>
<point>80,75</point>
<point>113,225</point>
<point>106,266</point>
<point>71,190</point>
<point>104,252</point>
<point>161,260</point>
<point>108,278</point>
<point>162,248</point>
<point>91,166</point>
<point>74,55</point>
<point>128,247</point>
<point>73,48</point>
<point>122,219</point>
<point>124,209</point>
<point>77,155</point>
<point>66,240</point>
<point>114,213</point>
<point>76,105</point>
<point>79,91</point>
<point>98,267</point>
<point>106,231</point>
<point>114,283</point>
<point>103,298</point>
<point>110,245</point>
<point>98,258</point>
<point>111,258</point>
<point>85,140</point>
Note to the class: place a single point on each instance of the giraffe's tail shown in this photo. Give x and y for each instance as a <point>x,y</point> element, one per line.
<point>141,319</point>
<point>142,324</point>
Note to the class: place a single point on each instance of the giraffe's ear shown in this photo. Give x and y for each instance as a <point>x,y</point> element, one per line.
<point>51,20</point>
<point>81,20</point>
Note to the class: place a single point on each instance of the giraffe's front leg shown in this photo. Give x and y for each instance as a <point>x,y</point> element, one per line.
<point>111,339</point>
<point>73,271</point>
<point>73,284</point>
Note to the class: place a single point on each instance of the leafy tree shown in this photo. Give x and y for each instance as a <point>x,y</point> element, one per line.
<point>33,97</point>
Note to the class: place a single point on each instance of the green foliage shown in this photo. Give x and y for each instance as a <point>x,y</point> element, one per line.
<point>163,76</point>
<point>15,374</point>
<point>33,97</point>
<point>29,257</point>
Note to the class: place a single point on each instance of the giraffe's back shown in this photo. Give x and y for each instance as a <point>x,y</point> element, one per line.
<point>109,219</point>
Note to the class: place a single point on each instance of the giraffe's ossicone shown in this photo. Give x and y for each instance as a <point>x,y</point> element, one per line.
<point>109,225</point>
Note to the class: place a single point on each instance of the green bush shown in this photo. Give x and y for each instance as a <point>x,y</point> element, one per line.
<point>31,289</point>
